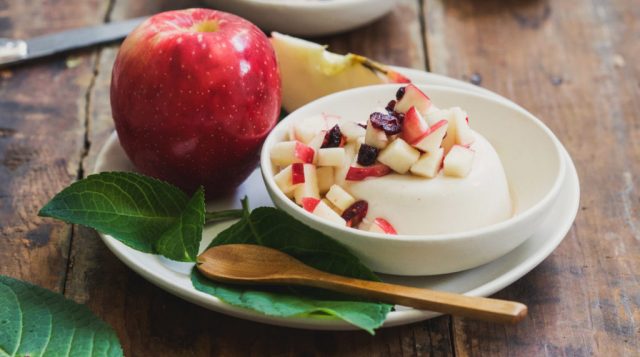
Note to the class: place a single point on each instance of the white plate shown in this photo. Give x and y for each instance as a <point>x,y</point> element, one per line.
<point>482,281</point>
<point>306,17</point>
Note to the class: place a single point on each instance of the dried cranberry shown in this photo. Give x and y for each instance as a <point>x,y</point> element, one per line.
<point>400,117</point>
<point>355,213</point>
<point>400,93</point>
<point>389,123</point>
<point>333,138</point>
<point>367,155</point>
<point>390,106</point>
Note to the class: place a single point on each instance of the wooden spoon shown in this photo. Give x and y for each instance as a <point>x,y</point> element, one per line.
<point>253,264</point>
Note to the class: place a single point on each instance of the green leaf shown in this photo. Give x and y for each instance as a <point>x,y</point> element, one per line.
<point>36,322</point>
<point>142,212</point>
<point>274,228</point>
<point>181,241</point>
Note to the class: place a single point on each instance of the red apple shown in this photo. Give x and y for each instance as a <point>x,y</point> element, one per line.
<point>193,95</point>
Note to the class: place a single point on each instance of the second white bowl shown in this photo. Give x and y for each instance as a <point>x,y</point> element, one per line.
<point>306,17</point>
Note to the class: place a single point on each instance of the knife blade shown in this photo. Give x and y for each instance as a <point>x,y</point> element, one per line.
<point>13,51</point>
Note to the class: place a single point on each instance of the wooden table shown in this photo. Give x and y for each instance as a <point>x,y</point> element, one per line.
<point>572,63</point>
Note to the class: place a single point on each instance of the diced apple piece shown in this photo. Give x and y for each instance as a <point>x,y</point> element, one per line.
<point>381,225</point>
<point>288,152</point>
<point>284,180</point>
<point>413,97</point>
<point>429,163</point>
<point>331,157</point>
<point>399,156</point>
<point>352,131</point>
<point>464,134</point>
<point>340,198</point>
<point>458,161</point>
<point>437,115</point>
<point>359,173</point>
<point>306,129</point>
<point>310,186</point>
<point>432,138</point>
<point>375,137</point>
<point>324,211</point>
<point>325,178</point>
<point>328,203</point>
<point>316,143</point>
<point>413,127</point>
<point>310,203</point>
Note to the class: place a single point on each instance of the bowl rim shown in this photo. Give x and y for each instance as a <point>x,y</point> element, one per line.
<point>540,205</point>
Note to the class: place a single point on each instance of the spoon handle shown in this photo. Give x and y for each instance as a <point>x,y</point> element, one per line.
<point>455,304</point>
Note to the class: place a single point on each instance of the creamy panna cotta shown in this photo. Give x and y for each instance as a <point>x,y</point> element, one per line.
<point>443,204</point>
<point>410,168</point>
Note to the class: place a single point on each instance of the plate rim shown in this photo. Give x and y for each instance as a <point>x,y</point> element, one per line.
<point>395,318</point>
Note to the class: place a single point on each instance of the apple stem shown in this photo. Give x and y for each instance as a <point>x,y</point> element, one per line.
<point>218,216</point>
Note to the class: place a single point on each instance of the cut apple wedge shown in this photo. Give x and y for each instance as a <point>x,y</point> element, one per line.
<point>429,164</point>
<point>289,152</point>
<point>359,173</point>
<point>325,177</point>
<point>309,188</point>
<point>340,198</point>
<point>432,138</point>
<point>413,126</point>
<point>309,71</point>
<point>399,156</point>
<point>458,161</point>
<point>381,225</point>
<point>331,157</point>
<point>411,96</point>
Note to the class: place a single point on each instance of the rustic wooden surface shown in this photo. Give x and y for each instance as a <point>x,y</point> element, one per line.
<point>573,64</point>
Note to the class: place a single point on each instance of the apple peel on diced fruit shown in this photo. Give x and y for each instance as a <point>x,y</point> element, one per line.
<point>413,126</point>
<point>358,173</point>
<point>412,96</point>
<point>289,152</point>
<point>381,225</point>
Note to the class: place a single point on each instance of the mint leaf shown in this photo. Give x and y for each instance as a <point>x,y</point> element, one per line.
<point>181,241</point>
<point>137,210</point>
<point>366,315</point>
<point>36,322</point>
<point>274,228</point>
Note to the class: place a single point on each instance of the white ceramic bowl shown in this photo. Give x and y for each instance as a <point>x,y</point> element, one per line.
<point>306,17</point>
<point>531,156</point>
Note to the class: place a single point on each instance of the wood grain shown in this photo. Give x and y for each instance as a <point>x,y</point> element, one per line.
<point>42,121</point>
<point>574,65</point>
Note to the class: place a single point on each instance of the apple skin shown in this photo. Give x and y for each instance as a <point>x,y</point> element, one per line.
<point>194,94</point>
